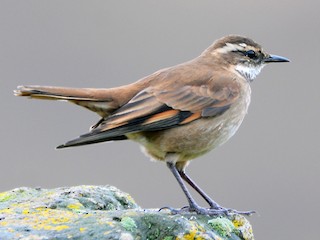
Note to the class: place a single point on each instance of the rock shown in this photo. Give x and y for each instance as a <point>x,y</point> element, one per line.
<point>104,212</point>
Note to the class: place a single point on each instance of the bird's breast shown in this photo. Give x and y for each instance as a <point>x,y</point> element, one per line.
<point>198,137</point>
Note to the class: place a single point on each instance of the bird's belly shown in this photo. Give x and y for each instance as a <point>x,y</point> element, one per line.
<point>191,140</point>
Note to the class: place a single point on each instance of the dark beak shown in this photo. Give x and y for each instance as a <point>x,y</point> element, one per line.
<point>275,58</point>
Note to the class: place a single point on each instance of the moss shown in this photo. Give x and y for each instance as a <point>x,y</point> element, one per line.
<point>223,226</point>
<point>128,224</point>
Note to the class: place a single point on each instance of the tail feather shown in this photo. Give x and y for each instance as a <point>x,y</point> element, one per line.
<point>97,100</point>
<point>90,139</point>
<point>57,93</point>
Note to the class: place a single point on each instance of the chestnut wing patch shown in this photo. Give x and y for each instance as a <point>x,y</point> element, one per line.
<point>154,110</point>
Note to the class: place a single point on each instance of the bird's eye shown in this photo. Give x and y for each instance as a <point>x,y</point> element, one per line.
<point>251,54</point>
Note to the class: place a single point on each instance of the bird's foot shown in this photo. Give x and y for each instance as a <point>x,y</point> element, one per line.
<point>229,211</point>
<point>207,211</point>
<point>215,206</point>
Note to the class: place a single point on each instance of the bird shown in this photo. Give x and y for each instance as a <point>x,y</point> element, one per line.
<point>177,113</point>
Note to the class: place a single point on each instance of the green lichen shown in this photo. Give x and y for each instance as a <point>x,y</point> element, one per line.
<point>6,196</point>
<point>223,226</point>
<point>168,238</point>
<point>157,225</point>
<point>128,224</point>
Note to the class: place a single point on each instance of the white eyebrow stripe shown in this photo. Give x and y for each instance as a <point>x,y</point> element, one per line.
<point>229,47</point>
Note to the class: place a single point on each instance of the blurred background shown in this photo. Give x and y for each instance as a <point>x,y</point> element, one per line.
<point>271,165</point>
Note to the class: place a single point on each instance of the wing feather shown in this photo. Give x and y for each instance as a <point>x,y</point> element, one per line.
<point>155,109</point>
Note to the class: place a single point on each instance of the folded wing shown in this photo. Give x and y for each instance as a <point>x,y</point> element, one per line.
<point>155,109</point>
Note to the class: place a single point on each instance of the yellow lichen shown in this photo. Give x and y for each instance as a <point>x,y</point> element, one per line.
<point>51,227</point>
<point>75,206</point>
<point>3,223</point>
<point>130,199</point>
<point>238,221</point>
<point>6,211</point>
<point>26,211</point>
<point>111,224</point>
<point>48,219</point>
<point>192,235</point>
<point>60,220</point>
<point>60,228</point>
<point>82,229</point>
<point>241,224</point>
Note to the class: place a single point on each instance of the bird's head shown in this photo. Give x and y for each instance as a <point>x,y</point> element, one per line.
<point>242,54</point>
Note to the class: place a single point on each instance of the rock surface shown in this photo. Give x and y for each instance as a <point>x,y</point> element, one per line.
<point>104,212</point>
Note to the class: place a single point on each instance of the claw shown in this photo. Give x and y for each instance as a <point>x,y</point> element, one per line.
<point>175,211</point>
<point>227,211</point>
<point>247,213</point>
<point>164,208</point>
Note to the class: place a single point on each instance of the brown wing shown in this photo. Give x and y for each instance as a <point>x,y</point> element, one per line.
<point>156,109</point>
<point>208,99</point>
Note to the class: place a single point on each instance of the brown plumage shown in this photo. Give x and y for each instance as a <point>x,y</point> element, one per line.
<point>177,113</point>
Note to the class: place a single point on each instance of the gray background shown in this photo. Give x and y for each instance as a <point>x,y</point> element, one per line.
<point>271,165</point>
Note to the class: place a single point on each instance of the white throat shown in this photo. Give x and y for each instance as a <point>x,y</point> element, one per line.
<point>249,72</point>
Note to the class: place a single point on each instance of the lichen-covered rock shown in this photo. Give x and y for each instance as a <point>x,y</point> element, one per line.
<point>104,212</point>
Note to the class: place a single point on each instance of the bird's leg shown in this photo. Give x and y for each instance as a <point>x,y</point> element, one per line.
<point>210,201</point>
<point>173,169</point>
<point>193,206</point>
